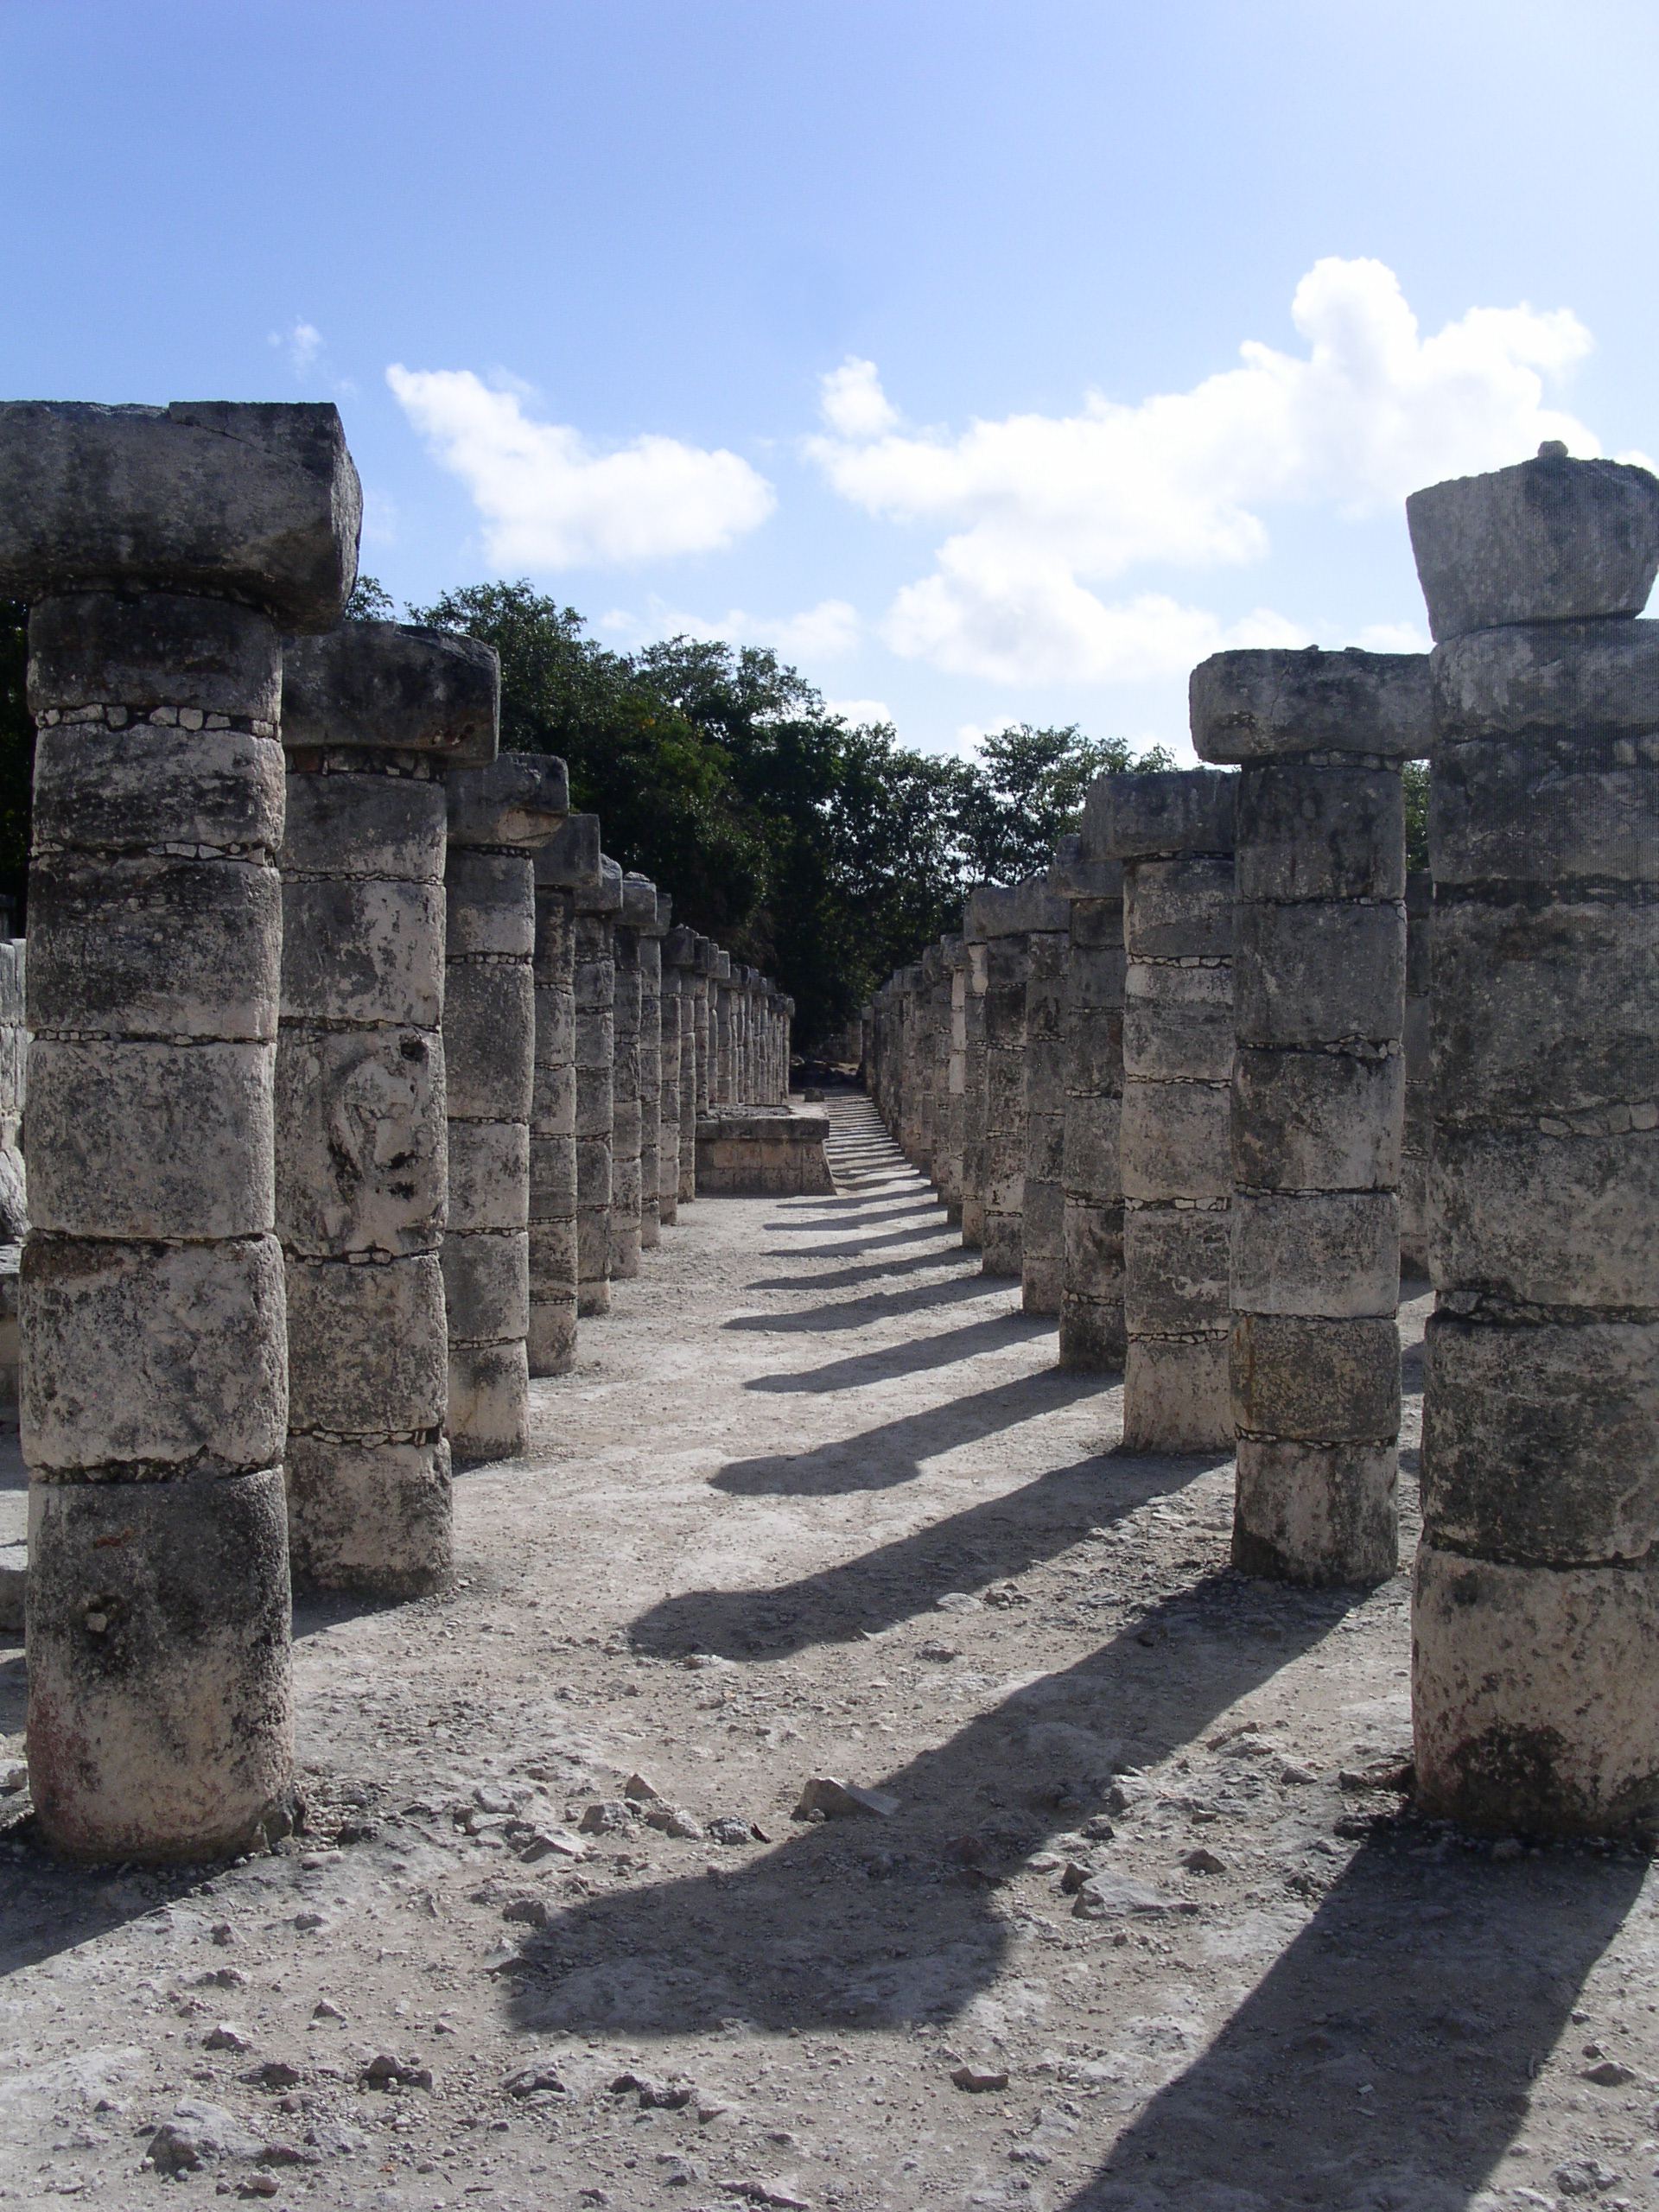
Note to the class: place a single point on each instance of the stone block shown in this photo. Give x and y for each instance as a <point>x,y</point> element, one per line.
<point>365,1345</point>
<point>363,1166</point>
<point>154,945</point>
<point>351,824</point>
<point>1274,703</point>
<point>164,1357</point>
<point>1180,909</point>
<point>553,1101</point>
<point>1178,1024</point>
<point>595,1103</point>
<point>489,1039</point>
<point>1042,1282</point>
<point>362,951</point>
<point>1316,1514</point>
<point>553,1259</point>
<point>550,1345</point>
<point>518,802</point>
<point>375,1518</point>
<point>1549,540</point>
<point>570,859</point>
<point>489,1175</point>
<point>1097,1050</point>
<point>1583,679</point>
<point>1092,1337</point>
<point>556,1027</point>
<point>1175,1395</point>
<point>486,1285</point>
<point>1530,1695</point>
<point>594,1172</point>
<point>1320,833</point>
<point>1541,1443</point>
<point>1175,1140</point>
<point>251,501</point>
<point>489,1401</point>
<point>1555,1221</point>
<point>1547,811</point>
<point>552,1177</point>
<point>1315,974</point>
<point>1174,1269</point>
<point>1316,1381</point>
<point>1159,812</point>
<point>393,685</point>
<point>144,786</point>
<point>1317,1121</point>
<point>1001,1243</point>
<point>1333,1255</point>
<point>161,1722</point>
<point>150,1140</point>
<point>491,906</point>
<point>1544,1008</point>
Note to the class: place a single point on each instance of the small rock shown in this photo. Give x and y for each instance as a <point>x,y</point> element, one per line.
<point>1610,2075</point>
<point>489,1799</point>
<point>260,2186</point>
<point>640,1791</point>
<point>224,1977</point>
<point>729,1829</point>
<point>308,1922</point>
<point>533,1912</point>
<point>1584,2178</point>
<point>530,2079</point>
<point>697,1662</point>
<point>673,1819</point>
<point>978,2079</point>
<point>1113,1896</point>
<point>224,1935</point>
<point>383,2070</point>
<point>941,1654</point>
<point>14,1778</point>
<point>275,2074</point>
<point>556,1843</point>
<point>326,2009</point>
<point>958,1601</point>
<point>174,2149</point>
<point>654,2096</point>
<point>607,1817</point>
<point>1099,1830</point>
<point>289,2154</point>
<point>1395,1773</point>
<point>838,1799</point>
<point>1203,1862</point>
<point>769,2193</point>
<point>227,2037</point>
<point>1293,1775</point>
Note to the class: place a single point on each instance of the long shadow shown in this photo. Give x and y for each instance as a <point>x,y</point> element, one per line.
<point>915,1356</point>
<point>1388,2057</point>
<point>988,1542</point>
<point>864,1244</point>
<point>884,1457</point>
<point>872,1271</point>
<point>804,1937</point>
<point>863,1312</point>
<point>852,1213</point>
<point>48,1906</point>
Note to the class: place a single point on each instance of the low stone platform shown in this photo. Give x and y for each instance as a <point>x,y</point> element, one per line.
<point>753,1151</point>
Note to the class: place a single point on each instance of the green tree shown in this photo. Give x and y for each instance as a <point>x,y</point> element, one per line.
<point>1414,776</point>
<point>1027,788</point>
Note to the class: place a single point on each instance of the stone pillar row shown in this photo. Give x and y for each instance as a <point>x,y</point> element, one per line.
<point>330,1131</point>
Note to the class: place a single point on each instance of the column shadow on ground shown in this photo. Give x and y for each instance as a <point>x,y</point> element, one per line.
<point>879,1923</point>
<point>915,1356</point>
<point>855,1213</point>
<point>989,1542</point>
<point>864,1244</point>
<point>884,1457</point>
<point>1388,2057</point>
<point>858,1312</point>
<point>872,1271</point>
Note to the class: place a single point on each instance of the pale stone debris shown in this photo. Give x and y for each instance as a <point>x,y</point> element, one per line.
<point>500,816</point>
<point>1535,1615</point>
<point>1172,831</point>
<point>1091,1336</point>
<point>1319,979</point>
<point>570,859</point>
<point>598,902</point>
<point>163,552</point>
<point>373,715</point>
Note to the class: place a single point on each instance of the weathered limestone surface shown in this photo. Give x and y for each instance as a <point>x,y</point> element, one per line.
<point>627,1120</point>
<point>162,551</point>
<point>568,860</point>
<point>1173,833</point>
<point>759,1151</point>
<point>1319,995</point>
<point>598,902</point>
<point>372,716</point>
<point>1043,1229</point>
<point>948,1159</point>
<point>680,952</point>
<point>975,983</point>
<point>499,818</point>
<point>1414,1143</point>
<point>1006,919</point>
<point>653,929</point>
<point>14,1198</point>
<point>1535,1625</point>
<point>1092,1334</point>
<point>722,1090</point>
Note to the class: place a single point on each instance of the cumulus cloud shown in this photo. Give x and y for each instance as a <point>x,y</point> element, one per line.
<point>826,632</point>
<point>1042,509</point>
<point>859,712</point>
<point>302,342</point>
<point>548,498</point>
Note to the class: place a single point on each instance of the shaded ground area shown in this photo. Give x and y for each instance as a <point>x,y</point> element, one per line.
<point>817,1504</point>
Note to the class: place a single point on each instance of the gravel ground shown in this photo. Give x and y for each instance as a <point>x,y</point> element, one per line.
<point>1127,1912</point>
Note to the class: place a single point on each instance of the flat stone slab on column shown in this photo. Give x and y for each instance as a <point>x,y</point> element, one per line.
<point>762,1152</point>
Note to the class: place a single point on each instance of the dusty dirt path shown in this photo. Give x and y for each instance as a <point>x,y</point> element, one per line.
<point>817,1504</point>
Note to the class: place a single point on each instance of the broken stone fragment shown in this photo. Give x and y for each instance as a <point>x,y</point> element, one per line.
<point>832,1800</point>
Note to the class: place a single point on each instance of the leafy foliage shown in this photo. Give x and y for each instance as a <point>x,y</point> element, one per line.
<point>1414,776</point>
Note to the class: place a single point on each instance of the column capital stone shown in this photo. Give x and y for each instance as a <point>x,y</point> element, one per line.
<point>1276,705</point>
<point>518,801</point>
<point>392,687</point>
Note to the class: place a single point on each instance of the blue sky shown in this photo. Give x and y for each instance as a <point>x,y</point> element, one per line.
<point>996,361</point>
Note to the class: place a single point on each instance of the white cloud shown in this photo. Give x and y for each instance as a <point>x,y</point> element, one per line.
<point>1044,508</point>
<point>856,712</point>
<point>549,499</point>
<point>302,342</point>
<point>853,402</point>
<point>1394,638</point>
<point>827,632</point>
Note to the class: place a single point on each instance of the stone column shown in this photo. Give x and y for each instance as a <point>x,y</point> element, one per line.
<point>722,1091</point>
<point>932,1035</point>
<point>911,1061</point>
<point>652,933</point>
<point>1173,832</point>
<point>951,1095</point>
<point>567,863</point>
<point>680,951</point>
<point>976,983</point>
<point>372,716</point>
<point>1007,919</point>
<point>1414,1151</point>
<point>675,960</point>
<point>498,817</point>
<point>163,552</point>
<point>702,1037</point>
<point>639,904</point>
<point>1535,1615</point>
<point>598,903</point>
<point>1318,983</point>
<point>1092,1336</point>
<point>1043,1244</point>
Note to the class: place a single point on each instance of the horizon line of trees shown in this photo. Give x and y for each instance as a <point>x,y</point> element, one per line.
<point>823,851</point>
